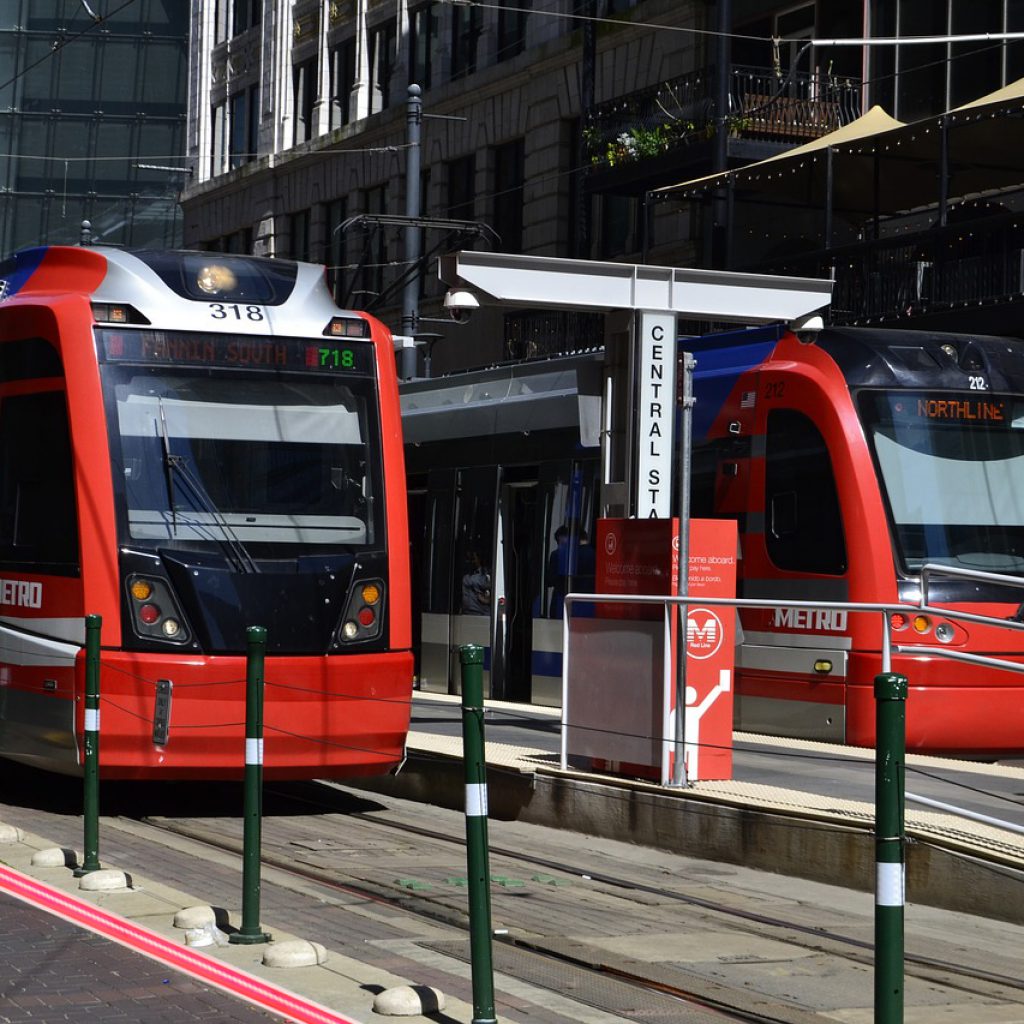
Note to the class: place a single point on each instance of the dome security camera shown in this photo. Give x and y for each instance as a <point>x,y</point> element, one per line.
<point>460,303</point>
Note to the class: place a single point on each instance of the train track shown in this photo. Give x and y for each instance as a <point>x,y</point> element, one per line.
<point>528,951</point>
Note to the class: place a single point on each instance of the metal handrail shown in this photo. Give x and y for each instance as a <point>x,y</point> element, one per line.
<point>669,601</point>
<point>930,569</point>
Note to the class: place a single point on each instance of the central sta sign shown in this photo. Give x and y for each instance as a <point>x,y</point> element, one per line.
<point>656,407</point>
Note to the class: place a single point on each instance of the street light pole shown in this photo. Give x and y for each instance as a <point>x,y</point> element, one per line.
<point>413,236</point>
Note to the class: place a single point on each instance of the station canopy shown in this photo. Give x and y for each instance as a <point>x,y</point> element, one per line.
<point>879,166</point>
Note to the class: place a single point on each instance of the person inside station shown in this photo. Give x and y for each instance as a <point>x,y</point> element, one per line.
<point>571,567</point>
<point>476,587</point>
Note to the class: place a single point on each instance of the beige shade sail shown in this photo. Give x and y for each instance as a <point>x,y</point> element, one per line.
<point>879,166</point>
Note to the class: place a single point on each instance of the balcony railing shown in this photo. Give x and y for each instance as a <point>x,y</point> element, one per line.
<point>912,284</point>
<point>678,112</point>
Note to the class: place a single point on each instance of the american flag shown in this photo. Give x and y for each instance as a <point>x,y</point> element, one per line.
<point>747,399</point>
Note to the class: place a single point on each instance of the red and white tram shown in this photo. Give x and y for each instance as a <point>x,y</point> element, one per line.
<point>191,444</point>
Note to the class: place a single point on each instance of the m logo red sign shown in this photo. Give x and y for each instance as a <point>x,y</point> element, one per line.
<point>704,633</point>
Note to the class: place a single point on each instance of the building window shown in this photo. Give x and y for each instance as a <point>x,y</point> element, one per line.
<point>298,226</point>
<point>619,233</point>
<point>244,128</point>
<point>422,33</point>
<point>221,9</point>
<point>239,151</point>
<point>304,100</point>
<point>335,214</point>
<point>512,30</point>
<point>465,32</point>
<point>343,78</point>
<point>382,60</point>
<point>245,14</point>
<point>461,187</point>
<point>507,216</point>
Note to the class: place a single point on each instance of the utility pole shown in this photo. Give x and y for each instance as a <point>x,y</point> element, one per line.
<point>720,158</point>
<point>413,231</point>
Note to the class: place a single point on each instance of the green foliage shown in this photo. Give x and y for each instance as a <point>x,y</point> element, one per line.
<point>637,143</point>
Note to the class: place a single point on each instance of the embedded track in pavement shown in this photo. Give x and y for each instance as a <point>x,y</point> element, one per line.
<point>546,902</point>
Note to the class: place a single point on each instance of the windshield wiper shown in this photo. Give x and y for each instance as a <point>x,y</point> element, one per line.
<point>168,468</point>
<point>243,561</point>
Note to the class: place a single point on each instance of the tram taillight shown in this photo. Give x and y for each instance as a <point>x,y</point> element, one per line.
<point>116,313</point>
<point>925,628</point>
<point>363,619</point>
<point>154,612</point>
<point>347,327</point>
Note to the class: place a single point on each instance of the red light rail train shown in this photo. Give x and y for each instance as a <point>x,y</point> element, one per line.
<point>852,458</point>
<point>192,444</point>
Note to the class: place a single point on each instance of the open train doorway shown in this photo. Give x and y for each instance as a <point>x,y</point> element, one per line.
<point>520,546</point>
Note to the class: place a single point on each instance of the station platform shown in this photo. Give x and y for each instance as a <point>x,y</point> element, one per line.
<point>955,860</point>
<point>66,954</point>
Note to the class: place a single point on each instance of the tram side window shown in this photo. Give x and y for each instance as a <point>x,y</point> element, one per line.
<point>803,528</point>
<point>38,520</point>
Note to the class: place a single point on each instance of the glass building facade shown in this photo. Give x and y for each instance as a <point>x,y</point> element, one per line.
<point>92,121</point>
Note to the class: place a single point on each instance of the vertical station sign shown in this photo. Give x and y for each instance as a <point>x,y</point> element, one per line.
<point>655,414</point>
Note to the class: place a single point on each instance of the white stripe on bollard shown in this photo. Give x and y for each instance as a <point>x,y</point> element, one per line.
<point>253,751</point>
<point>92,719</point>
<point>476,800</point>
<point>890,884</point>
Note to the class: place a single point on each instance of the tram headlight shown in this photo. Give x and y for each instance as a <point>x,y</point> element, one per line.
<point>944,633</point>
<point>214,278</point>
<point>350,631</point>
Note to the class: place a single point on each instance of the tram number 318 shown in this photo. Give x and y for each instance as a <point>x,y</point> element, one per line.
<point>222,311</point>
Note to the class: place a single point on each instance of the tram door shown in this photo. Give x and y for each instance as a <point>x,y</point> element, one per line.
<point>432,557</point>
<point>519,547</point>
<point>500,547</point>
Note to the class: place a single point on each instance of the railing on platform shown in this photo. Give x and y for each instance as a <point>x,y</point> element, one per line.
<point>887,646</point>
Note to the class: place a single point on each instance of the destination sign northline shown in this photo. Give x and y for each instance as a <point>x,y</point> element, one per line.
<point>961,409</point>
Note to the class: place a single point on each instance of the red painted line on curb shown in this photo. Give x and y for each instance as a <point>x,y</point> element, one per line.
<point>156,947</point>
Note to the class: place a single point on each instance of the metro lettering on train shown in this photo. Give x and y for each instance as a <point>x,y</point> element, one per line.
<point>192,444</point>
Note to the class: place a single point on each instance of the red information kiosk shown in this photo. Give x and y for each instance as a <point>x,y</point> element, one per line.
<point>621,703</point>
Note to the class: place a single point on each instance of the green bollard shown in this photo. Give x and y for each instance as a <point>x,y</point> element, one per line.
<point>477,856</point>
<point>91,763</point>
<point>249,933</point>
<point>890,871</point>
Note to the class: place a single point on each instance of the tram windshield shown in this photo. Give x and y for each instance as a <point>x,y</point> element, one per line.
<point>952,472</point>
<point>259,462</point>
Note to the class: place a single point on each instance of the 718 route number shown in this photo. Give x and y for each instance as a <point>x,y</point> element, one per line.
<point>222,311</point>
